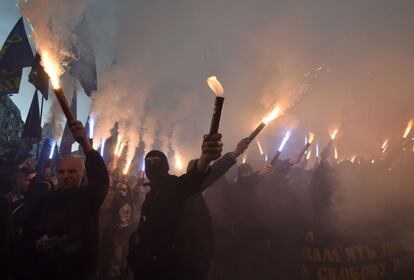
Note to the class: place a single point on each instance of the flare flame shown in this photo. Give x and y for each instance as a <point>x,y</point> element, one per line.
<point>215,85</point>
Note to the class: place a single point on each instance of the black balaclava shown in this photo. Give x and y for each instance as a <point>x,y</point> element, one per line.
<point>158,170</point>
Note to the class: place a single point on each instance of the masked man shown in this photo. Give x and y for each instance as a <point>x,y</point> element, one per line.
<point>152,253</point>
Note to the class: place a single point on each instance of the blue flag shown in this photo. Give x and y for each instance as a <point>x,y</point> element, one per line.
<point>15,54</point>
<point>84,66</point>
<point>39,78</point>
<point>67,137</point>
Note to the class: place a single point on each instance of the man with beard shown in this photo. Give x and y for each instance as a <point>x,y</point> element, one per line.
<point>63,228</point>
<point>152,253</point>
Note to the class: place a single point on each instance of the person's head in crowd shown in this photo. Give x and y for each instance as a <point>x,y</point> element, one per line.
<point>23,178</point>
<point>123,188</point>
<point>116,174</point>
<point>70,171</point>
<point>191,164</point>
<point>132,180</point>
<point>156,165</point>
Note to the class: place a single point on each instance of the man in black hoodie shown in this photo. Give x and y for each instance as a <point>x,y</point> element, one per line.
<point>62,231</point>
<point>153,253</point>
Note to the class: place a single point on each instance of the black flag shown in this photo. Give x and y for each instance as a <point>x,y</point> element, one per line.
<point>84,66</point>
<point>15,54</point>
<point>32,128</point>
<point>39,78</point>
<point>67,137</point>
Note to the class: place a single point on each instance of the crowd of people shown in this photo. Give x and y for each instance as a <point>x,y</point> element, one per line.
<point>85,219</point>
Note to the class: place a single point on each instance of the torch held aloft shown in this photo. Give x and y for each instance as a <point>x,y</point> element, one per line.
<point>215,121</point>
<point>275,158</point>
<point>63,102</point>
<point>257,131</point>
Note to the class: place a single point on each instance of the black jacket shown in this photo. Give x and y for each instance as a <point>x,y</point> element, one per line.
<point>73,214</point>
<point>194,236</point>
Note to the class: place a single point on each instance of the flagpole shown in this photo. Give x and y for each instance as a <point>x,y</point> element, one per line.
<point>38,142</point>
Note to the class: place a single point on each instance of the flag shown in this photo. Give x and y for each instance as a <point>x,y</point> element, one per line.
<point>15,54</point>
<point>84,66</point>
<point>47,153</point>
<point>67,137</point>
<point>32,127</point>
<point>39,78</point>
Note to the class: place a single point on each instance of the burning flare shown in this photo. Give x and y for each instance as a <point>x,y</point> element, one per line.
<point>260,147</point>
<point>118,144</point>
<point>384,146</point>
<point>91,127</point>
<point>308,155</point>
<point>244,159</point>
<point>52,69</point>
<point>284,141</point>
<point>272,115</point>
<point>311,137</point>
<point>121,149</point>
<point>52,150</point>
<point>215,85</point>
<point>353,158</point>
<point>179,165</point>
<point>317,150</point>
<point>333,133</point>
<point>336,153</point>
<point>408,129</point>
<point>126,168</point>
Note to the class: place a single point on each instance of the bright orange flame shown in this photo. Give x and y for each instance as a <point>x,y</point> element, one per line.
<point>311,136</point>
<point>260,147</point>
<point>51,68</point>
<point>127,165</point>
<point>215,85</point>
<point>179,165</point>
<point>408,129</point>
<point>272,115</point>
<point>336,153</point>
<point>118,144</point>
<point>334,133</point>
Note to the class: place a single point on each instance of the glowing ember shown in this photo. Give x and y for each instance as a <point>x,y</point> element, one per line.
<point>284,141</point>
<point>311,137</point>
<point>52,69</point>
<point>333,134</point>
<point>260,147</point>
<point>179,165</point>
<point>272,115</point>
<point>215,85</point>
<point>408,129</point>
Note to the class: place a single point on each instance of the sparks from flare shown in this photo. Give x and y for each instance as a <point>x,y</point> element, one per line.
<point>260,148</point>
<point>284,141</point>
<point>408,129</point>
<point>52,69</point>
<point>275,113</point>
<point>215,85</point>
